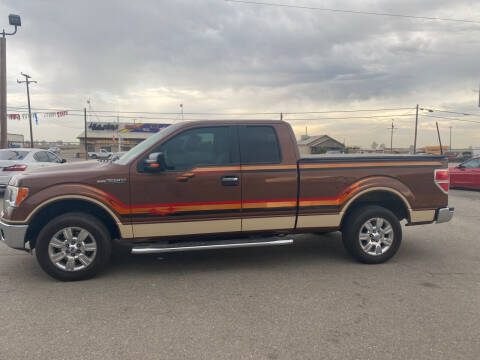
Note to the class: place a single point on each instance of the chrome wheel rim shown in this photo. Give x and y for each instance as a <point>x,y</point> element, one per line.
<point>72,249</point>
<point>376,236</point>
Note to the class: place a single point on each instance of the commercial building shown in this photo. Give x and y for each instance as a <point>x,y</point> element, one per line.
<point>15,140</point>
<point>115,136</point>
<point>319,144</point>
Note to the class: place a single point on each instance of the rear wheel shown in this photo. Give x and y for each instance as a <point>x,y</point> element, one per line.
<point>74,246</point>
<point>372,234</point>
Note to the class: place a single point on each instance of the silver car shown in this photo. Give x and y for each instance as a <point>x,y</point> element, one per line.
<point>12,161</point>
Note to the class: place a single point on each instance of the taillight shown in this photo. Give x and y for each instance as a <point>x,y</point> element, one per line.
<point>442,179</point>
<point>16,167</point>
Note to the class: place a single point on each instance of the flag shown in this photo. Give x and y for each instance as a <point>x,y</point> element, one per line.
<point>113,139</point>
<point>36,118</point>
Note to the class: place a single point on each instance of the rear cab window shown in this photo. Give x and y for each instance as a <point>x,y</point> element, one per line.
<point>259,145</point>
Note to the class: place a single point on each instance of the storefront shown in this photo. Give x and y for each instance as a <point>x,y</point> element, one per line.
<point>116,137</point>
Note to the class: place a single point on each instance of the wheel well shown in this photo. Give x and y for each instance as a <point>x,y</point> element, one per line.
<point>382,198</point>
<point>63,206</point>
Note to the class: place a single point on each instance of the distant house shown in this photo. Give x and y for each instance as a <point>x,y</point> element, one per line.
<point>319,144</point>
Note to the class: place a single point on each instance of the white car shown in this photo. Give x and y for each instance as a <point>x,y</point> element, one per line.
<point>102,154</point>
<point>14,160</point>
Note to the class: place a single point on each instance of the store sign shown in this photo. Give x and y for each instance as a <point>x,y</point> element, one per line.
<point>149,128</point>
<point>102,126</point>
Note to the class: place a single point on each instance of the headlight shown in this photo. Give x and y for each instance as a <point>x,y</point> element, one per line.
<point>14,196</point>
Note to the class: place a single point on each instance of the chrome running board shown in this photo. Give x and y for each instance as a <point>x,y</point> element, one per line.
<point>208,245</point>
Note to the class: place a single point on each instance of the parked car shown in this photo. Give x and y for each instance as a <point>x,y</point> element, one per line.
<point>466,175</point>
<point>13,161</point>
<point>117,155</point>
<point>55,150</point>
<point>215,185</point>
<point>102,154</point>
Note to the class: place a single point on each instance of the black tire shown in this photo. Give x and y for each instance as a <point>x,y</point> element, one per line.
<point>354,224</point>
<point>74,220</point>
<point>94,156</point>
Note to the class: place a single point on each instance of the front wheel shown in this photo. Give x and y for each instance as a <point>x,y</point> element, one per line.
<point>372,234</point>
<point>74,246</point>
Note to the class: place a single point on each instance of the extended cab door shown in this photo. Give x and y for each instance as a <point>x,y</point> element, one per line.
<point>269,177</point>
<point>198,193</point>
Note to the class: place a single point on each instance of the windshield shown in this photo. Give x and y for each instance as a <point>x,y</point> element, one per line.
<point>12,155</point>
<point>144,145</point>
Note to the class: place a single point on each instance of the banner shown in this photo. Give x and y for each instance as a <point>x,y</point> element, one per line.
<point>24,116</point>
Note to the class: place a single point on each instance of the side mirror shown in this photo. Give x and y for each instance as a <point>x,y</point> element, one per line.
<point>154,163</point>
<point>460,166</point>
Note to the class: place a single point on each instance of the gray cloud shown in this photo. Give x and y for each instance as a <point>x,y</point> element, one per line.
<point>215,55</point>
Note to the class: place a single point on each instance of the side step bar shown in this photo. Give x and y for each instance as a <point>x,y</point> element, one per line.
<point>208,245</point>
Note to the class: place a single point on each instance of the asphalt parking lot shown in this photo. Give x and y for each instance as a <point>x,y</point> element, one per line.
<point>307,301</point>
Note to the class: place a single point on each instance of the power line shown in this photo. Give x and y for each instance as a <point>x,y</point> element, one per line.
<point>451,112</point>
<point>18,108</point>
<point>357,12</point>
<point>453,119</point>
<point>351,117</point>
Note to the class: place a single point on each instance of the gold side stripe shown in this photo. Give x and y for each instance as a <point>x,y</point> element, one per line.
<point>366,164</point>
<point>186,228</point>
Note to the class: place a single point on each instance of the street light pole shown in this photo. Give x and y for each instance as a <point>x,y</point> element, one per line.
<point>28,81</point>
<point>3,95</point>
<point>15,21</point>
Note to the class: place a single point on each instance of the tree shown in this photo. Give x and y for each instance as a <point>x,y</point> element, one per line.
<point>382,147</point>
<point>374,145</point>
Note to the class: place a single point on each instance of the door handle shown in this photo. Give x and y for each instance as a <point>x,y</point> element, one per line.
<point>231,180</point>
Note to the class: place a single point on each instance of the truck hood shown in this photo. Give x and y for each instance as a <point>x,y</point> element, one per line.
<point>87,172</point>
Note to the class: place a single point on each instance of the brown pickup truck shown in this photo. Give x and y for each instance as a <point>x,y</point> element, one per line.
<point>218,184</point>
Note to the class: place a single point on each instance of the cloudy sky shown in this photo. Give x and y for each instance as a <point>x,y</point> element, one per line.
<point>223,57</point>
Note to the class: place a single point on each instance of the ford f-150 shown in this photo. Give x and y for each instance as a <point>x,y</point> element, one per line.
<point>214,185</point>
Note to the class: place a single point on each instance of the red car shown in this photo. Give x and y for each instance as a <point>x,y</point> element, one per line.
<point>466,175</point>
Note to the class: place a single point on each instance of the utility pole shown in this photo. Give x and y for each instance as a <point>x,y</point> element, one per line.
<point>391,138</point>
<point>28,82</point>
<point>439,139</point>
<point>86,137</point>
<point>416,128</point>
<point>13,20</point>
<point>450,127</point>
<point>118,134</point>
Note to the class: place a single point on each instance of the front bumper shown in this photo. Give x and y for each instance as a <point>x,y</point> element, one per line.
<point>444,215</point>
<point>13,235</point>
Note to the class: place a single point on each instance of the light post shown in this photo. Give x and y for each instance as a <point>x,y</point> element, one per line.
<point>15,21</point>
